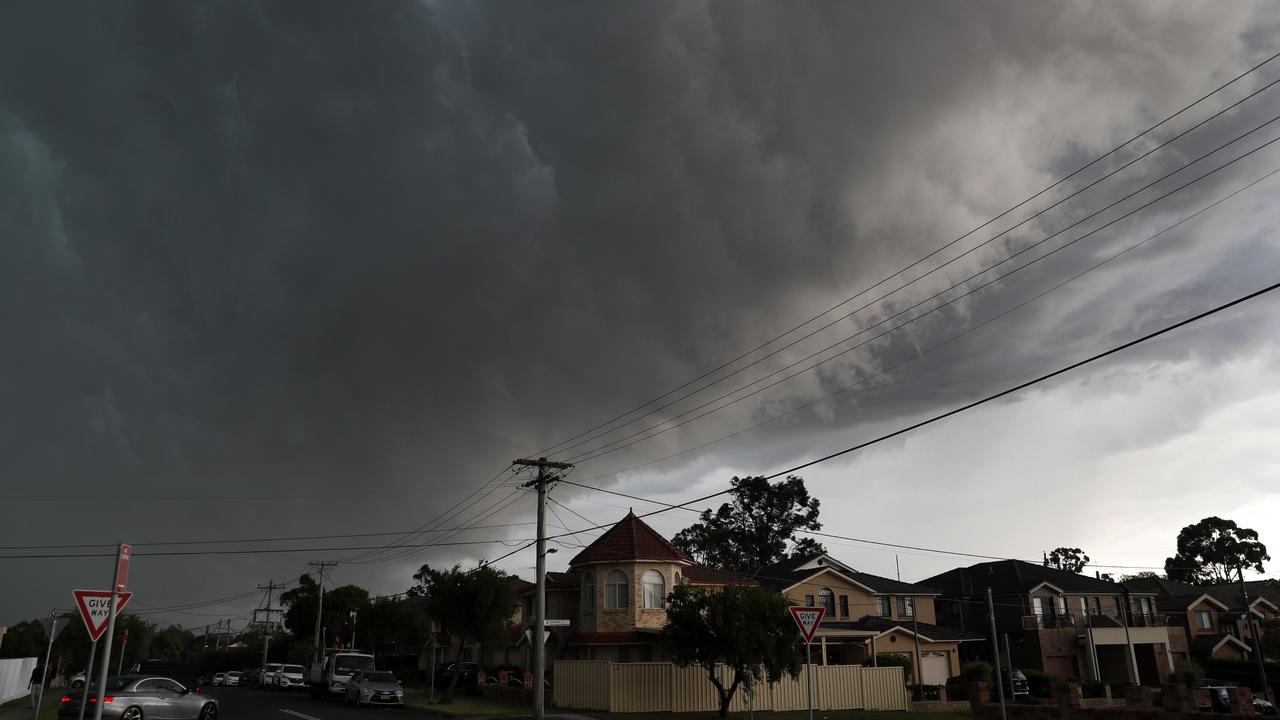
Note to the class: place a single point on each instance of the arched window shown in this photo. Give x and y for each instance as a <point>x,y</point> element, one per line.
<point>616,591</point>
<point>655,589</point>
<point>588,591</point>
<point>827,599</point>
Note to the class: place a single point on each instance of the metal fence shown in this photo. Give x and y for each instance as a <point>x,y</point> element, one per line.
<point>662,687</point>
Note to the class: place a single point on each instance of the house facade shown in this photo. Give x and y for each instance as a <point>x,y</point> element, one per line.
<point>866,615</point>
<point>1214,618</point>
<point>1062,622</point>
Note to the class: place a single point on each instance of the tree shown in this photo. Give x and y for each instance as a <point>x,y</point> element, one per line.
<point>753,529</point>
<point>746,628</point>
<point>1213,552</point>
<point>472,606</point>
<point>1141,575</point>
<point>1065,558</point>
<point>300,618</point>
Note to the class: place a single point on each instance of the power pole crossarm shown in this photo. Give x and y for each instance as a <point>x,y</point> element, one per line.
<point>538,631</point>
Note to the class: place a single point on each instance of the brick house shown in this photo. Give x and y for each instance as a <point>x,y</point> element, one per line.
<point>1062,622</point>
<point>614,594</point>
<point>1212,618</point>
<point>868,614</point>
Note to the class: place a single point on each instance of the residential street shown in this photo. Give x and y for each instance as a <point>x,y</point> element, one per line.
<point>244,704</point>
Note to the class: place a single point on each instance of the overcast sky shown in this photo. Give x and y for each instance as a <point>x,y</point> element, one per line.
<point>285,269</point>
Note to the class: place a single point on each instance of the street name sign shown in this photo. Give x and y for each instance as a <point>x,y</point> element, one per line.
<point>556,622</point>
<point>807,618</point>
<point>94,607</point>
<point>122,566</point>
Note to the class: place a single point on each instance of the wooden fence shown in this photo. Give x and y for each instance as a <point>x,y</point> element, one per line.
<point>661,687</point>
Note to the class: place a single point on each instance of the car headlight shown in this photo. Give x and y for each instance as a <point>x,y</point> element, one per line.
<point>399,693</point>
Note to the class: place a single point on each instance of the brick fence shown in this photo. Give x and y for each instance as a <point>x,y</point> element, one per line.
<point>1171,702</point>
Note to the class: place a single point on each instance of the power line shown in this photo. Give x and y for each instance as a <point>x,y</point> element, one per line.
<point>260,551</point>
<point>620,443</point>
<point>943,247</point>
<point>976,403</point>
<point>953,338</point>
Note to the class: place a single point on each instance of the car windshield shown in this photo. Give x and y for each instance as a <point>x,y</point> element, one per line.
<point>116,684</point>
<point>297,669</point>
<point>347,664</point>
<point>379,677</point>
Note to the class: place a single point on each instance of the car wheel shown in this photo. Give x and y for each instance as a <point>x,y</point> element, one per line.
<point>133,712</point>
<point>209,712</point>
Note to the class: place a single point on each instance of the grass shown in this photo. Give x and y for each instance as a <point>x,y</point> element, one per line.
<point>464,705</point>
<point>18,710</point>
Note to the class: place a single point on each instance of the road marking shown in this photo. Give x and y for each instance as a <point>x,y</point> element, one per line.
<point>297,714</point>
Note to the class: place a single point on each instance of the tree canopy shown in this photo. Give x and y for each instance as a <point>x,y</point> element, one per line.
<point>747,629</point>
<point>474,605</point>
<point>1213,551</point>
<point>300,617</point>
<point>1069,559</point>
<point>756,527</point>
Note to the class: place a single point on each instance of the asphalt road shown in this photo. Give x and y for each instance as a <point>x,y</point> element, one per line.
<point>238,703</point>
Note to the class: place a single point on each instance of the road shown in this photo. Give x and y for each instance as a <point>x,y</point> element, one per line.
<point>238,703</point>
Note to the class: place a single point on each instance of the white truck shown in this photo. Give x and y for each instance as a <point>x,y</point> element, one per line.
<point>328,678</point>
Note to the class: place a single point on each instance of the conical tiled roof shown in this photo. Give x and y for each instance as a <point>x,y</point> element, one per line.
<point>628,541</point>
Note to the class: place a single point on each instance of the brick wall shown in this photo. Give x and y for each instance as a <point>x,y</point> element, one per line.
<point>1172,702</point>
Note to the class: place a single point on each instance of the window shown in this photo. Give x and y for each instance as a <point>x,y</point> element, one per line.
<point>655,589</point>
<point>1204,620</point>
<point>1144,607</point>
<point>828,600</point>
<point>1060,604</point>
<point>808,601</point>
<point>1037,606</point>
<point>906,606</point>
<point>844,606</point>
<point>616,591</point>
<point>1084,606</point>
<point>589,592</point>
<point>882,605</point>
<point>1097,606</point>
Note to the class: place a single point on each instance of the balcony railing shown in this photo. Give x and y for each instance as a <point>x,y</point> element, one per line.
<point>1051,621</point>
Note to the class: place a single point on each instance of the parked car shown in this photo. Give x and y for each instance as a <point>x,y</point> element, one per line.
<point>232,677</point>
<point>374,687</point>
<point>219,679</point>
<point>289,677</point>
<point>134,697</point>
<point>77,681</point>
<point>204,680</point>
<point>1219,702</point>
<point>466,672</point>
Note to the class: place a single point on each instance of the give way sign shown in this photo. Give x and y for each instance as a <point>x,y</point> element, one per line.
<point>94,606</point>
<point>807,618</point>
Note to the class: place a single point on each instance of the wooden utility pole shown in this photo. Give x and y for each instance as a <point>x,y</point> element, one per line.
<point>538,631</point>
<point>266,632</point>
<point>321,565</point>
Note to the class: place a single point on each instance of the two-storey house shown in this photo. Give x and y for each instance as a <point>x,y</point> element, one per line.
<point>1062,622</point>
<point>866,615</point>
<point>1213,619</point>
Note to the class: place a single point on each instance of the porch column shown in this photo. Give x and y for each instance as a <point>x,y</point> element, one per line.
<point>824,650</point>
<point>874,661</point>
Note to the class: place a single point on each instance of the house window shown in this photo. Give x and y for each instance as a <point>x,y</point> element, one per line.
<point>1084,606</point>
<point>655,590</point>
<point>616,591</point>
<point>1037,606</point>
<point>883,603</point>
<point>1145,607</point>
<point>1097,606</point>
<point>589,591</point>
<point>1204,621</point>
<point>1060,604</point>
<point>844,606</point>
<point>827,599</point>
<point>906,606</point>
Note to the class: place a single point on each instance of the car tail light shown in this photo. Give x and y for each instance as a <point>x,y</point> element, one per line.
<point>66,698</point>
<point>197,691</point>
<point>105,700</point>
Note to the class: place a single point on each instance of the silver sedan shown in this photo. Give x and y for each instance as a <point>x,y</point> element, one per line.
<point>374,687</point>
<point>144,697</point>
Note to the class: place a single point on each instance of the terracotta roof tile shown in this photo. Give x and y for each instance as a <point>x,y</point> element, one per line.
<point>630,540</point>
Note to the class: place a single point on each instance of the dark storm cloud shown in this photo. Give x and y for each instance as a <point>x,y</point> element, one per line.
<point>264,249</point>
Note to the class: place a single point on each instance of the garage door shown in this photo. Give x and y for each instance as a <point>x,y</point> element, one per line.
<point>935,668</point>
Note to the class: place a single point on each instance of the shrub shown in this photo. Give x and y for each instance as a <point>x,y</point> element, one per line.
<point>1188,674</point>
<point>893,660</point>
<point>1039,684</point>
<point>977,671</point>
<point>1093,689</point>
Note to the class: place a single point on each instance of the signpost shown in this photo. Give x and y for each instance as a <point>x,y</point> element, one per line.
<point>808,618</point>
<point>53,626</point>
<point>117,589</point>
<point>556,622</point>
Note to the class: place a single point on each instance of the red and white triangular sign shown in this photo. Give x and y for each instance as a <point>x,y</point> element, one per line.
<point>94,606</point>
<point>807,618</point>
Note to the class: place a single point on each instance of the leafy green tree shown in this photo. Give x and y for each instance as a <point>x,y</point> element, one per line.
<point>300,617</point>
<point>173,644</point>
<point>755,528</point>
<point>25,639</point>
<point>472,606</point>
<point>1213,551</point>
<point>747,629</point>
<point>1065,558</point>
